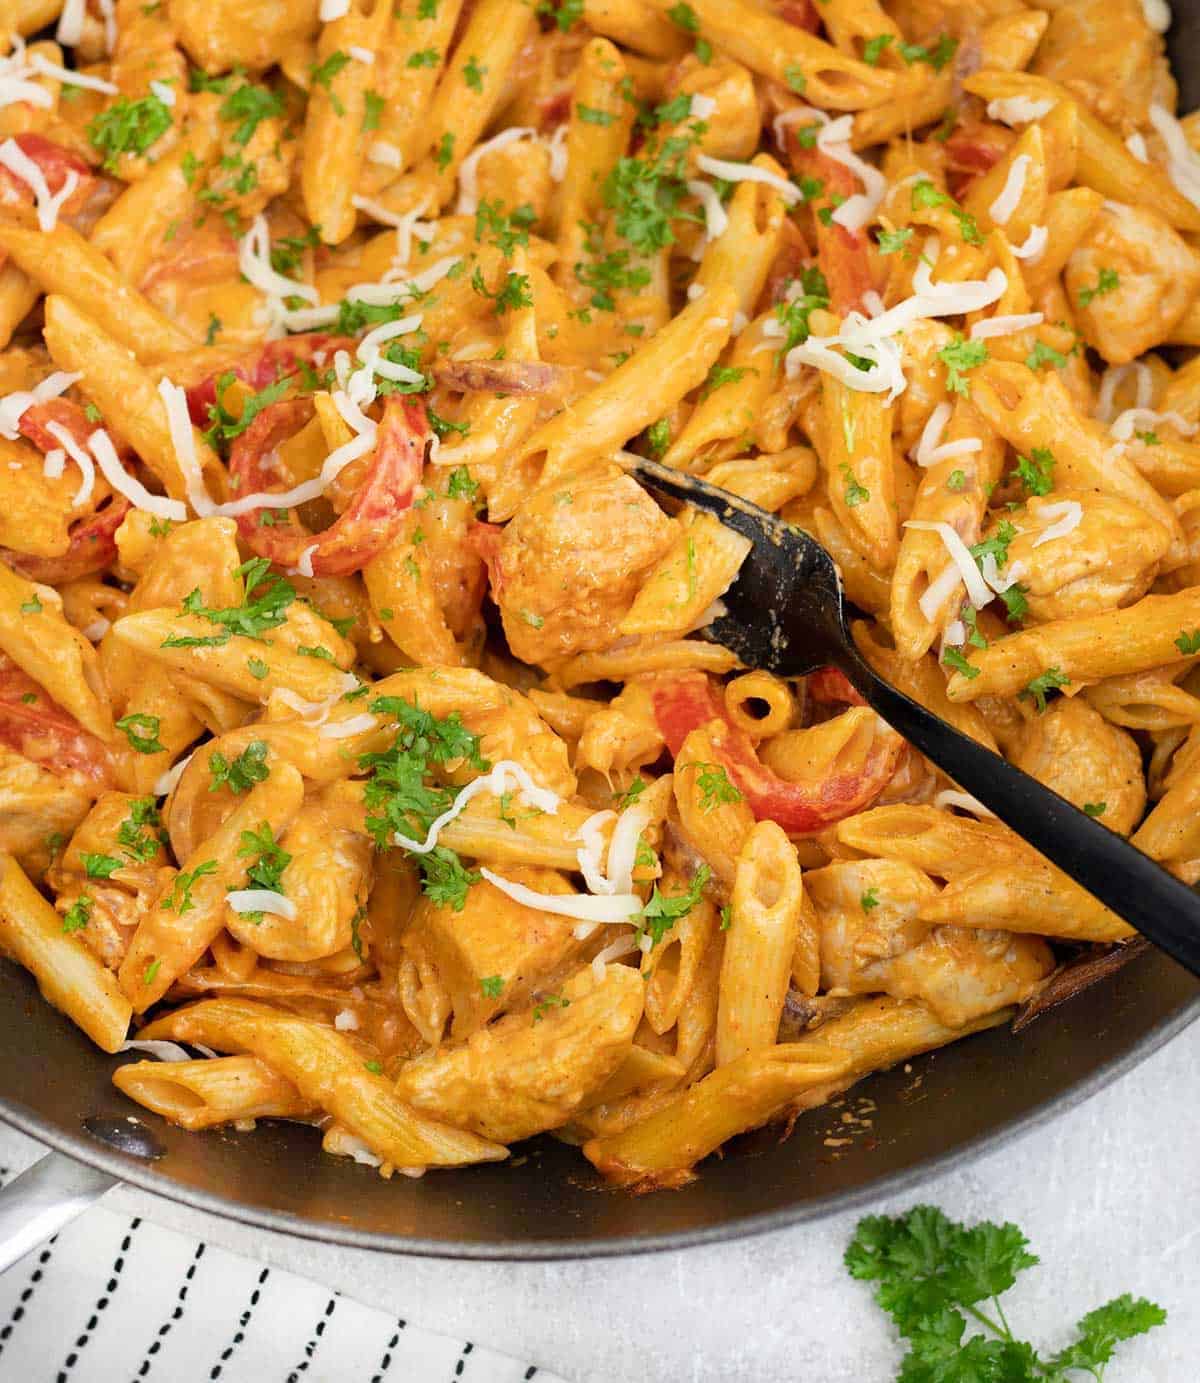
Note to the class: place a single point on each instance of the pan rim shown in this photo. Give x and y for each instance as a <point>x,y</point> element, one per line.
<point>144,1177</point>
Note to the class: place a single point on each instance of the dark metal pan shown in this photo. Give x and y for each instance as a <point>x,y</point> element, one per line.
<point>922,1118</point>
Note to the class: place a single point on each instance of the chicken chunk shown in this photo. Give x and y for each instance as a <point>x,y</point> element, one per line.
<point>1132,277</point>
<point>572,560</point>
<point>1091,763</point>
<point>1104,52</point>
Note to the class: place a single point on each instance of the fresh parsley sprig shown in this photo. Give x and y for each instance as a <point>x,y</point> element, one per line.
<point>935,1277</point>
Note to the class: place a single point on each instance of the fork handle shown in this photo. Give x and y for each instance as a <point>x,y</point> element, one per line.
<point>1123,878</point>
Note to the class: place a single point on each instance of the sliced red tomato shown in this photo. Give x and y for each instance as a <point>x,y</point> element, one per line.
<point>40,730</point>
<point>972,150</point>
<point>93,541</point>
<point>266,364</point>
<point>56,162</point>
<point>93,547</point>
<point>829,684</point>
<point>373,517</point>
<point>841,253</point>
<point>687,701</point>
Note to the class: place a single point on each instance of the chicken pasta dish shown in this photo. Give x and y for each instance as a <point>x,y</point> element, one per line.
<point>363,761</point>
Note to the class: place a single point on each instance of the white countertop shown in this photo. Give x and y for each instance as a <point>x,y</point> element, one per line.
<point>1109,1195</point>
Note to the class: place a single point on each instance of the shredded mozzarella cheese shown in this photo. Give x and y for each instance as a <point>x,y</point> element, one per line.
<point>1183,166</point>
<point>345,1020</point>
<point>333,9</point>
<point>18,162</point>
<point>1070,516</point>
<point>1158,15</point>
<point>71,448</point>
<point>590,852</point>
<point>1018,110</point>
<point>496,782</point>
<point>748,172</point>
<point>1110,381</point>
<point>304,566</point>
<point>343,729</point>
<point>930,447</point>
<point>164,91</point>
<point>1136,144</point>
<point>468,170</point>
<point>70,23</point>
<point>613,951</point>
<point>261,900</point>
<point>948,797</point>
<point>101,447</point>
<point>158,1048</point>
<point>960,555</point>
<point>53,464</point>
<point>1005,326</point>
<point>1006,203</point>
<point>385,154</point>
<point>584,907</point>
<point>1143,419</point>
<point>40,63</point>
<point>716,218</point>
<point>939,591</point>
<point>557,146</point>
<point>361,54</point>
<point>167,782</point>
<point>1032,246</point>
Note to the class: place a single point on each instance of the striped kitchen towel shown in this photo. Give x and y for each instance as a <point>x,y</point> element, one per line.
<point>118,1300</point>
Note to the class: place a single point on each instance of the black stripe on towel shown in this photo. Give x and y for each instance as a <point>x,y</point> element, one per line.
<point>314,1340</point>
<point>101,1306</point>
<point>176,1315</point>
<point>240,1333</point>
<point>386,1362</point>
<point>35,1277</point>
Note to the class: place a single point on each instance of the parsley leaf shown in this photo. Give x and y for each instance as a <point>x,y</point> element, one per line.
<point>79,914</point>
<point>873,49</point>
<point>505,231</point>
<point>249,105</point>
<point>1050,680</point>
<point>720,375</point>
<point>958,356</point>
<point>1044,355</point>
<point>932,1273</point>
<point>180,897</point>
<point>264,607</point>
<point>1187,643</point>
<point>323,73</point>
<point>223,426</point>
<point>246,769</point>
<point>544,1006</point>
<point>492,986</point>
<point>128,127</point>
<point>715,787</point>
<point>100,866</point>
<point>141,731</point>
<point>869,900</point>
<point>141,832</point>
<point>1036,471</point>
<point>1107,281</point>
<point>270,858</point>
<point>953,657</point>
<point>565,13</point>
<point>855,494</point>
<point>661,913</point>
<point>515,291</point>
<point>892,240</point>
<point>1095,808</point>
<point>997,545</point>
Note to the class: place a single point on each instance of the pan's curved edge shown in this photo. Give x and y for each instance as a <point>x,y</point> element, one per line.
<point>142,1175</point>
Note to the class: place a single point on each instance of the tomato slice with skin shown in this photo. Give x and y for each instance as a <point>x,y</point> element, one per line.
<point>93,537</point>
<point>373,517</point>
<point>266,365</point>
<point>41,731</point>
<point>841,253</point>
<point>56,162</point>
<point>685,702</point>
<point>830,684</point>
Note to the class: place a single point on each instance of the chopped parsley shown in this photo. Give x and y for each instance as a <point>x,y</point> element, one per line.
<point>1036,471</point>
<point>632,792</point>
<point>1050,680</point>
<point>937,57</point>
<point>565,13</point>
<point>474,73</point>
<point>514,293</point>
<point>141,731</point>
<point>892,240</point>
<point>270,859</point>
<point>873,48</point>
<point>128,127</point>
<point>79,914</point>
<point>445,152</point>
<point>854,494</point>
<point>460,485</point>
<point>956,480</point>
<point>373,105</point>
<point>591,115</point>
<point>141,833</point>
<point>492,986</point>
<point>958,356</point>
<point>1044,355</point>
<point>240,774</point>
<point>546,1005</point>
<point>661,913</point>
<point>32,606</point>
<point>952,657</point>
<point>645,193</point>
<point>869,900</point>
<point>1107,281</point>
<point>997,545</point>
<point>1187,643</point>
<point>264,607</point>
<point>504,231</point>
<point>658,438</point>
<point>223,426</point>
<point>424,57</point>
<point>609,274</point>
<point>99,866</point>
<point>250,105</point>
<point>1015,602</point>
<point>180,897</point>
<point>323,73</point>
<point>1095,808</point>
<point>715,786</point>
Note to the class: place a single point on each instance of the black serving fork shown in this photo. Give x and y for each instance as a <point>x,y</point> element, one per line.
<point>786,614</point>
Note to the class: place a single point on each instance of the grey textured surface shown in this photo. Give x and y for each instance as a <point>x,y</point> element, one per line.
<point>1109,1195</point>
